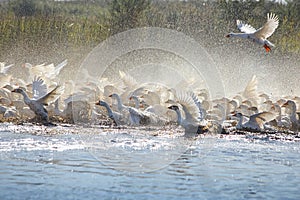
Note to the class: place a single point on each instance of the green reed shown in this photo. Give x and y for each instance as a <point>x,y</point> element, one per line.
<point>64,28</point>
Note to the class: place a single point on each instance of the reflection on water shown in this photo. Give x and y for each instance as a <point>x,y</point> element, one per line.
<point>136,150</point>
<point>224,169</point>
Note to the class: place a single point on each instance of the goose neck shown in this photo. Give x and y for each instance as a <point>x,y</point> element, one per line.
<point>179,116</point>
<point>119,102</point>
<point>109,111</point>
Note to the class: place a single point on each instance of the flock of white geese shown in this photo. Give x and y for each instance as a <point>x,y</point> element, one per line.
<point>44,98</point>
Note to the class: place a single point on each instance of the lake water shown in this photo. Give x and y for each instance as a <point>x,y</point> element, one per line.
<point>68,166</point>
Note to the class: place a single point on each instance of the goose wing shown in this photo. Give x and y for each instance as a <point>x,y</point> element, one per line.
<point>268,29</point>
<point>52,96</point>
<point>137,117</point>
<point>3,68</point>
<point>128,80</point>
<point>51,71</point>
<point>39,88</point>
<point>37,70</point>
<point>5,80</point>
<point>59,67</point>
<point>189,105</point>
<point>250,91</point>
<point>243,27</point>
<point>262,117</point>
<point>110,89</point>
<point>151,98</point>
<point>201,112</point>
<point>42,70</point>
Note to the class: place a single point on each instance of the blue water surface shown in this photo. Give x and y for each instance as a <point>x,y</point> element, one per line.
<point>224,169</point>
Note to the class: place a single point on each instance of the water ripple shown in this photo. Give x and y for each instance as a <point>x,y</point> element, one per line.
<point>211,168</point>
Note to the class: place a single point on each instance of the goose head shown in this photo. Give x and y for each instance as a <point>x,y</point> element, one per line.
<point>100,103</point>
<point>18,90</point>
<point>238,115</point>
<point>173,107</point>
<point>290,105</point>
<point>114,95</point>
<point>229,35</point>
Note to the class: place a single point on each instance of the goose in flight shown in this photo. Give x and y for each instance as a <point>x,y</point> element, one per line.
<point>40,98</point>
<point>260,35</point>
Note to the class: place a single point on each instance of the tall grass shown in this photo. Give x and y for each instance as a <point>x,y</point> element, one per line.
<point>77,31</point>
<point>53,33</point>
<point>58,30</point>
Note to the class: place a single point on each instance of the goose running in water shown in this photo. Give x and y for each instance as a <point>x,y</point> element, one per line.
<point>259,36</point>
<point>281,122</point>
<point>120,106</point>
<point>127,112</point>
<point>8,112</point>
<point>136,101</point>
<point>145,118</point>
<point>255,123</point>
<point>115,116</point>
<point>194,122</point>
<point>293,115</point>
<point>40,98</point>
<point>156,114</point>
<point>135,116</point>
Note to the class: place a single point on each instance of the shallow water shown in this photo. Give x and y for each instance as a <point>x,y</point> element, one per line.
<point>65,166</point>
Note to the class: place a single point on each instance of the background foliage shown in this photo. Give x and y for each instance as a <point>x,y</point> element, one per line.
<point>48,31</point>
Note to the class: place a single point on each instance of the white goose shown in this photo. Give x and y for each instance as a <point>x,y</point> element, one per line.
<point>145,118</point>
<point>5,79</point>
<point>4,68</point>
<point>47,72</point>
<point>115,116</point>
<point>120,106</point>
<point>293,115</point>
<point>132,114</point>
<point>136,101</point>
<point>157,112</point>
<point>281,122</point>
<point>259,36</point>
<point>255,123</point>
<point>40,98</point>
<point>194,121</point>
<point>8,112</point>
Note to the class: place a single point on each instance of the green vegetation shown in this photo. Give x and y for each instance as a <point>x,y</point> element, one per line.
<point>37,31</point>
<point>126,14</point>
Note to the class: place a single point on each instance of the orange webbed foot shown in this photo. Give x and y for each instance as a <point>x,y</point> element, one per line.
<point>268,49</point>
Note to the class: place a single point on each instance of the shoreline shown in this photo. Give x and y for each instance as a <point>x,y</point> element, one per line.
<point>166,131</point>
